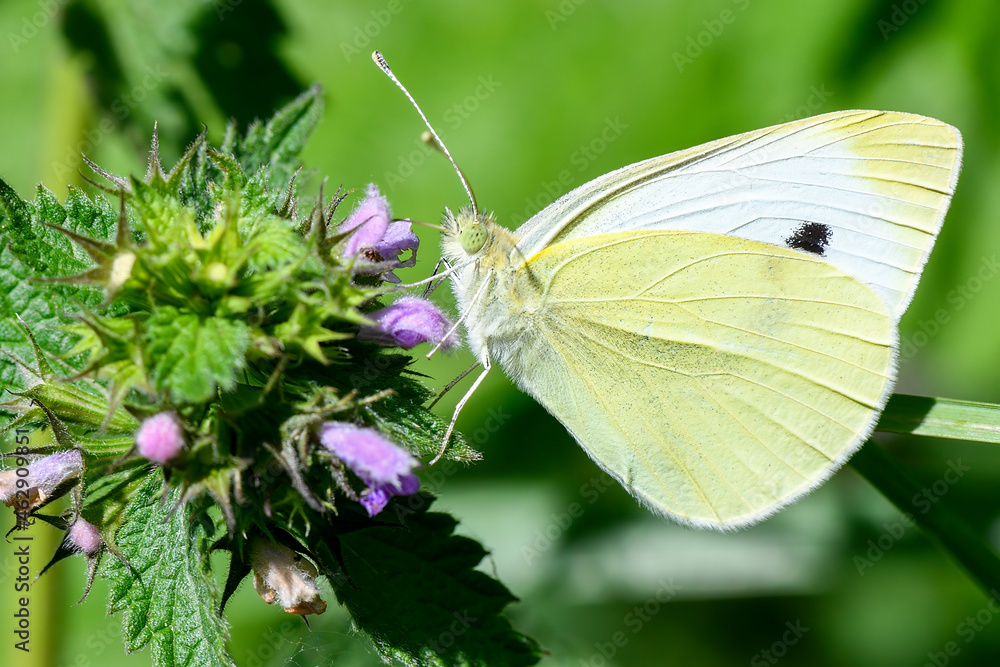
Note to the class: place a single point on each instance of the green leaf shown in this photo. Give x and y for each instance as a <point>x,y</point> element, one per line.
<point>192,356</point>
<point>404,416</point>
<point>275,244</point>
<point>72,404</point>
<point>28,250</point>
<point>45,250</point>
<point>941,418</point>
<point>96,217</point>
<point>110,495</point>
<point>415,590</point>
<point>41,306</point>
<point>278,143</point>
<point>172,602</point>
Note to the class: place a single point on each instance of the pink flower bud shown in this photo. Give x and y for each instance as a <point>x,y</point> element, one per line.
<point>85,536</point>
<point>160,438</point>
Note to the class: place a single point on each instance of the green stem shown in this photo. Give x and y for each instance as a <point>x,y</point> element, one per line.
<point>941,418</point>
<point>949,530</point>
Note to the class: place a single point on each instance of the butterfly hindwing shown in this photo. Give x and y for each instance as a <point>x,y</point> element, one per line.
<point>716,378</point>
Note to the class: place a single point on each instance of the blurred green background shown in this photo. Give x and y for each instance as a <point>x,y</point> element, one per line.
<point>524,93</point>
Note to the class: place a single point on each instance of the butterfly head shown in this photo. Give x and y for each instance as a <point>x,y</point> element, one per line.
<point>468,234</point>
<point>473,237</point>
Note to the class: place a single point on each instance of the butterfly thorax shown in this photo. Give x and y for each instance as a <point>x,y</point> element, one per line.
<point>486,252</point>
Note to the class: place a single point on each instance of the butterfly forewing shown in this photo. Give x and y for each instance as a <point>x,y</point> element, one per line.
<point>866,190</point>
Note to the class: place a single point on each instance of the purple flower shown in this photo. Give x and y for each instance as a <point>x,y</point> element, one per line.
<point>370,220</point>
<point>406,323</point>
<point>85,536</point>
<point>160,438</point>
<point>44,476</point>
<point>377,242</point>
<point>398,239</point>
<point>374,499</point>
<point>384,467</point>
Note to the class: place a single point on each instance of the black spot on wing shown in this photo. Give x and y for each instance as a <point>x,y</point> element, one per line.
<point>811,237</point>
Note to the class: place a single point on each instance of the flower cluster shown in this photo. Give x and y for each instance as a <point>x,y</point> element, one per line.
<point>228,355</point>
<point>375,242</point>
<point>371,244</point>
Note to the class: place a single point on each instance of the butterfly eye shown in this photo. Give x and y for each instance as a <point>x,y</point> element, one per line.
<point>473,238</point>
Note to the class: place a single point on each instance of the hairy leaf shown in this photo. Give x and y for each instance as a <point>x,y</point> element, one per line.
<point>278,143</point>
<point>167,593</point>
<point>415,590</point>
<point>29,249</point>
<point>191,356</point>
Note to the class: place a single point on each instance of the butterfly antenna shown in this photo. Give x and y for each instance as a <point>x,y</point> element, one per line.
<point>384,66</point>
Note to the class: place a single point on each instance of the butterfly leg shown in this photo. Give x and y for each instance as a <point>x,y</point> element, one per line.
<point>432,285</point>
<point>458,408</point>
<point>448,387</point>
<point>435,276</point>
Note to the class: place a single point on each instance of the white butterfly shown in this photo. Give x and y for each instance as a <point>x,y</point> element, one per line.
<point>717,327</point>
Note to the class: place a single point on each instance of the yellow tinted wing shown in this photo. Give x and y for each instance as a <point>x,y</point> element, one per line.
<point>716,378</point>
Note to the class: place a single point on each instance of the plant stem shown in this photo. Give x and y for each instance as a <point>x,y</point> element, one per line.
<point>942,418</point>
